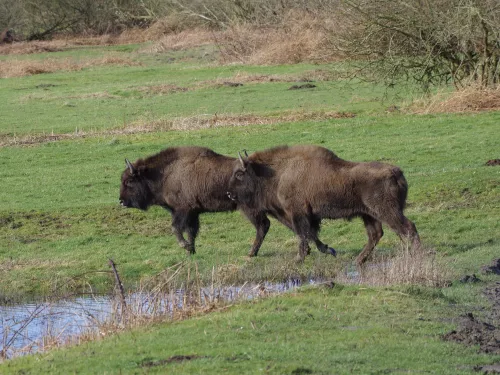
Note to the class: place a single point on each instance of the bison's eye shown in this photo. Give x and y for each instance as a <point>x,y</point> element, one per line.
<point>239,175</point>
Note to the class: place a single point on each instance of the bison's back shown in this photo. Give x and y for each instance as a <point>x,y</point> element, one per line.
<point>335,188</point>
<point>197,178</point>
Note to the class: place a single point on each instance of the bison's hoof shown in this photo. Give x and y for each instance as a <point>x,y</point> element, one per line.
<point>332,251</point>
<point>299,258</point>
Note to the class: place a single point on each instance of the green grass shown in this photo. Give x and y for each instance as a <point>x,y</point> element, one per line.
<point>106,97</point>
<point>313,331</point>
<point>60,220</point>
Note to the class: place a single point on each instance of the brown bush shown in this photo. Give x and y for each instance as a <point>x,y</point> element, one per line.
<point>182,40</point>
<point>300,37</point>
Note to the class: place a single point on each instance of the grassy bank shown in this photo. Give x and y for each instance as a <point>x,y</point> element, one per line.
<point>312,331</point>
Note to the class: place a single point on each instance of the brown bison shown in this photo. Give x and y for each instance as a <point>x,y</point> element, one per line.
<point>187,181</point>
<point>301,185</point>
<point>6,36</point>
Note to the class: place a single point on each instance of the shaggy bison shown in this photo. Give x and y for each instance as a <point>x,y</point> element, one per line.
<point>301,185</point>
<point>187,181</point>
<point>6,36</point>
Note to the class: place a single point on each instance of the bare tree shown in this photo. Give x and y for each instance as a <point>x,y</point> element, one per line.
<point>430,41</point>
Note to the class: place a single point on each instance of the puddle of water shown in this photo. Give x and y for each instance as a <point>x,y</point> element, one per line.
<point>32,327</point>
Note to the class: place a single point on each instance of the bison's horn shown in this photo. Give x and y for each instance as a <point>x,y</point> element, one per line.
<point>241,160</point>
<point>130,166</point>
<point>245,152</point>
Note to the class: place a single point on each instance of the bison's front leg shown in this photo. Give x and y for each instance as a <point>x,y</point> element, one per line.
<point>261,224</point>
<point>303,249</point>
<point>324,248</point>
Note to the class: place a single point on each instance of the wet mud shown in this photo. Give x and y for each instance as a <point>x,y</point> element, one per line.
<point>485,333</point>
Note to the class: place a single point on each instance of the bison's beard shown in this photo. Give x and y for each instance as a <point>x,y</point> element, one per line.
<point>141,204</point>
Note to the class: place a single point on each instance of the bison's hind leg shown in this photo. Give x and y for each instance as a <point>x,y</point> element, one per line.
<point>374,231</point>
<point>180,220</point>
<point>408,232</point>
<point>192,228</point>
<point>403,227</point>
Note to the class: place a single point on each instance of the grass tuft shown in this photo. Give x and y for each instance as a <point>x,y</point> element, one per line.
<point>409,266</point>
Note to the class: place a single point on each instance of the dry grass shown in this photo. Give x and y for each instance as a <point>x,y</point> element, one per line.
<point>216,120</point>
<point>25,48</point>
<point>410,266</point>
<point>300,37</point>
<point>472,99</point>
<point>202,121</point>
<point>63,42</point>
<point>182,40</point>
<point>19,68</point>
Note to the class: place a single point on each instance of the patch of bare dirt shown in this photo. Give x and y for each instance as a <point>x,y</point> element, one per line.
<point>493,162</point>
<point>162,89</point>
<point>493,268</point>
<point>489,369</point>
<point>304,86</point>
<point>472,331</point>
<point>173,359</point>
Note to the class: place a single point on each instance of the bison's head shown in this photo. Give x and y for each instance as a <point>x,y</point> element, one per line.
<point>243,184</point>
<point>135,189</point>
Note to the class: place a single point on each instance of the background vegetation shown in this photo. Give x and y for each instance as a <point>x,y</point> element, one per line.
<point>435,42</point>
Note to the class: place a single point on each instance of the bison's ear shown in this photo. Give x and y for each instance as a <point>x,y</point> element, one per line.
<point>130,166</point>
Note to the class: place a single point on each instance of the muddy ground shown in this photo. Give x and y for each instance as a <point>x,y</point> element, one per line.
<point>486,334</point>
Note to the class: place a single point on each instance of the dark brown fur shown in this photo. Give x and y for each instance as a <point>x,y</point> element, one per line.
<point>301,185</point>
<point>187,181</point>
<point>6,36</point>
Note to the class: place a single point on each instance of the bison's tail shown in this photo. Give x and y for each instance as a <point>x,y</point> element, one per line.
<point>402,186</point>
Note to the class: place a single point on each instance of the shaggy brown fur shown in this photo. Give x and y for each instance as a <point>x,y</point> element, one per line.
<point>6,36</point>
<point>301,185</point>
<point>187,181</point>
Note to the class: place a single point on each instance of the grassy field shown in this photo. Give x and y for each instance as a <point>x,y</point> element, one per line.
<point>65,136</point>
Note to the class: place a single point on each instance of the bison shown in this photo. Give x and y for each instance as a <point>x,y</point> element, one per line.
<point>301,185</point>
<point>6,36</point>
<point>187,181</point>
